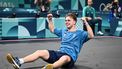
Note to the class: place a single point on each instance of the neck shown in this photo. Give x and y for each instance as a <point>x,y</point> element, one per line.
<point>89,5</point>
<point>72,29</point>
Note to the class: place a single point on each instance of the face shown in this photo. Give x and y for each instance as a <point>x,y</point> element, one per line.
<point>89,2</point>
<point>70,22</point>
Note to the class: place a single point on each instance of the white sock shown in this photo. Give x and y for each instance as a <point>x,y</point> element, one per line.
<point>21,61</point>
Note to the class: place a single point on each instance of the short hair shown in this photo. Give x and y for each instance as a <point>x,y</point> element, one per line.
<point>72,15</point>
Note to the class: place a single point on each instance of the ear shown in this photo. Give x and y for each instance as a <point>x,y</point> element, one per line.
<point>75,22</point>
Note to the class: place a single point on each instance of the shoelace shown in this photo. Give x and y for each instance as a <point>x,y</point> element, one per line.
<point>17,61</point>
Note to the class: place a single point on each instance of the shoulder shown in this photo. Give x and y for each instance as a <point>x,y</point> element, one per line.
<point>85,7</point>
<point>81,31</point>
<point>63,30</point>
<point>83,34</point>
<point>93,8</point>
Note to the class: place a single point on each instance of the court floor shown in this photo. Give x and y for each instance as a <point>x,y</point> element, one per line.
<point>99,53</point>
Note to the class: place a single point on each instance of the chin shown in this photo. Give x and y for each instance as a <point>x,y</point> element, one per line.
<point>68,27</point>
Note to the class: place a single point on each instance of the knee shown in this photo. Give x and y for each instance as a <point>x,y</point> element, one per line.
<point>40,52</point>
<point>66,58</point>
<point>101,19</point>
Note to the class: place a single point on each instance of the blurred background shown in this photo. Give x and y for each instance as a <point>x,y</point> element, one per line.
<point>21,19</point>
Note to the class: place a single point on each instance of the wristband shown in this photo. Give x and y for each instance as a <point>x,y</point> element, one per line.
<point>86,24</point>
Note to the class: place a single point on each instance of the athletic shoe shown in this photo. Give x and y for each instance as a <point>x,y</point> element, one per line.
<point>99,33</point>
<point>14,61</point>
<point>48,66</point>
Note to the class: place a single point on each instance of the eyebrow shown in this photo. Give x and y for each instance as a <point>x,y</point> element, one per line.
<point>68,20</point>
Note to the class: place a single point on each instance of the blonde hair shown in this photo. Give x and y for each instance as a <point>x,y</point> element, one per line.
<point>72,15</point>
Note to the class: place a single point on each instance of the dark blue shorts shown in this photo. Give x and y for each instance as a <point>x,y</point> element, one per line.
<point>56,55</point>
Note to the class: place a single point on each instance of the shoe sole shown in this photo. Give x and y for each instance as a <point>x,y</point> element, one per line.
<point>11,61</point>
<point>49,66</point>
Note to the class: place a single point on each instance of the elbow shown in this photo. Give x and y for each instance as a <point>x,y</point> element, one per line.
<point>51,30</point>
<point>91,36</point>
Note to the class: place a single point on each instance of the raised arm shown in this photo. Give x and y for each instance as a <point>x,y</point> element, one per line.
<point>50,22</point>
<point>89,30</point>
<point>35,1</point>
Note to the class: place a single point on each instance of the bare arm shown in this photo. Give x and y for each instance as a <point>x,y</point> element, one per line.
<point>50,22</point>
<point>35,1</point>
<point>89,30</point>
<point>49,0</point>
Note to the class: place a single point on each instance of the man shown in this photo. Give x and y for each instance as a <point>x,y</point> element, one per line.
<point>89,13</point>
<point>114,16</point>
<point>44,5</point>
<point>72,40</point>
<point>115,10</point>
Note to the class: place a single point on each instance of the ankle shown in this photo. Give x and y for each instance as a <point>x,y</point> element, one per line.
<point>21,60</point>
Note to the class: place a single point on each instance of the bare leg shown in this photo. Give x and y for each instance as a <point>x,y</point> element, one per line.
<point>63,60</point>
<point>38,54</point>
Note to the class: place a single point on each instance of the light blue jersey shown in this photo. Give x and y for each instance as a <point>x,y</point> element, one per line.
<point>71,42</point>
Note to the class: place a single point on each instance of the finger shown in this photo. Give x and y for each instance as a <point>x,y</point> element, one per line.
<point>49,15</point>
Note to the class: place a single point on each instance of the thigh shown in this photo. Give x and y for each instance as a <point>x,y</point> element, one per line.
<point>54,56</point>
<point>94,21</point>
<point>69,64</point>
